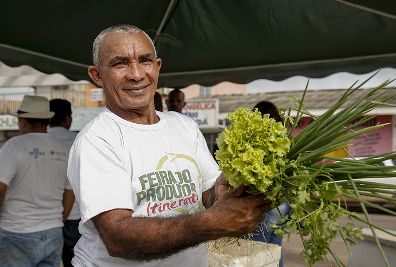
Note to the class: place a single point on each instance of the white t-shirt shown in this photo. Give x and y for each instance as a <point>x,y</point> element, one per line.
<point>33,166</point>
<point>157,170</point>
<point>66,137</point>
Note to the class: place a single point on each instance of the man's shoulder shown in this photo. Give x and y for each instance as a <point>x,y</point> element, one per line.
<point>182,124</point>
<point>62,133</point>
<point>12,141</point>
<point>45,140</point>
<point>34,139</point>
<point>19,139</point>
<point>177,117</point>
<point>101,125</point>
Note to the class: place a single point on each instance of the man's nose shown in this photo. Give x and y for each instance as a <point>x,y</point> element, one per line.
<point>135,72</point>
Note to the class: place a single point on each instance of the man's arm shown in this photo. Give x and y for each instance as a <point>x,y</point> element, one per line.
<point>68,200</point>
<point>142,238</point>
<point>3,189</point>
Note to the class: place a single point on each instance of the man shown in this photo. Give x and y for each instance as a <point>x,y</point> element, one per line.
<point>175,101</point>
<point>158,102</point>
<point>60,123</point>
<point>59,126</point>
<point>144,178</point>
<point>35,195</point>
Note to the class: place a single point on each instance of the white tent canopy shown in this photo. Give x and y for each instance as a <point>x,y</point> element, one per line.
<point>341,80</point>
<point>26,76</point>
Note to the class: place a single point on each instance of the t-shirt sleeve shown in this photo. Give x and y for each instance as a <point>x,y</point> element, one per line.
<point>209,167</point>
<point>67,185</point>
<point>98,177</point>
<point>8,162</point>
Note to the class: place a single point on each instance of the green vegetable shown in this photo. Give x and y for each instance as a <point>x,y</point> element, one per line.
<point>261,144</point>
<point>262,154</point>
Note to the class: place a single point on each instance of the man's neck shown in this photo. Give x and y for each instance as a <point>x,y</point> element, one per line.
<point>57,126</point>
<point>35,130</point>
<point>148,116</point>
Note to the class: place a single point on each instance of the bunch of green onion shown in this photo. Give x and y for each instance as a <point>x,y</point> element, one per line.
<point>261,154</point>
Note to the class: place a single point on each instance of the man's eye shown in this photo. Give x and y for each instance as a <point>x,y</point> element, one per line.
<point>119,64</point>
<point>146,61</point>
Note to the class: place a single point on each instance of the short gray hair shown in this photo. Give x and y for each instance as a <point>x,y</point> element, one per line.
<point>125,28</point>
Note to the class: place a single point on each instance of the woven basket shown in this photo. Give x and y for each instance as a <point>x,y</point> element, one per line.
<point>242,252</point>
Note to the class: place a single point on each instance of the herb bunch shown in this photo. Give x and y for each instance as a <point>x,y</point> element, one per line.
<point>261,154</point>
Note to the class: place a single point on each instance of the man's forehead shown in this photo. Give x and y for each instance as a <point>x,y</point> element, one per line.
<point>125,42</point>
<point>178,94</point>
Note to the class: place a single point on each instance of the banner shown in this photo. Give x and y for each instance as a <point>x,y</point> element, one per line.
<point>205,112</point>
<point>8,122</point>
<point>382,140</point>
<point>374,142</point>
<point>81,116</point>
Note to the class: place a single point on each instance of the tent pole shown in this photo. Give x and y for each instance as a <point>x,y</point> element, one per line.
<point>165,18</point>
<point>368,9</point>
<point>29,52</point>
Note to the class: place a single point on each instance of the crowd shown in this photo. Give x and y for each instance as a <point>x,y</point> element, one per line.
<point>136,187</point>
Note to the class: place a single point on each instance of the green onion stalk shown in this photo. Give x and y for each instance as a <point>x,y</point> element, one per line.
<point>260,153</point>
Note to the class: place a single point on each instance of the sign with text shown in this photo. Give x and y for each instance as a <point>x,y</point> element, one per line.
<point>375,142</point>
<point>81,116</point>
<point>8,122</point>
<point>204,112</point>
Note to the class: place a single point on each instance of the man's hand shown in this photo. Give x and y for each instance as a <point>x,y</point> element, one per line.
<point>235,214</point>
<point>222,186</point>
<point>3,189</point>
<point>68,200</point>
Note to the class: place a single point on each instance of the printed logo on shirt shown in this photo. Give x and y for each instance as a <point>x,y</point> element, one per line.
<point>36,153</point>
<point>166,190</point>
<point>58,155</point>
<point>53,155</point>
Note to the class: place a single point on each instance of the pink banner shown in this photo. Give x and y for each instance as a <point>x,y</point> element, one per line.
<point>372,143</point>
<point>304,122</point>
<point>375,142</point>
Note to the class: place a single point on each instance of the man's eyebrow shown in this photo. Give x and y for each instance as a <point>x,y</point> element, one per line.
<point>147,55</point>
<point>118,58</point>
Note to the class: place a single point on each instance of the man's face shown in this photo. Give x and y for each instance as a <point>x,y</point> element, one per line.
<point>128,72</point>
<point>175,102</point>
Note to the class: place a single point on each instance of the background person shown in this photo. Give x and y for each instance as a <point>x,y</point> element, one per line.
<point>263,232</point>
<point>59,126</point>
<point>33,187</point>
<point>175,101</point>
<point>158,102</point>
<point>144,178</point>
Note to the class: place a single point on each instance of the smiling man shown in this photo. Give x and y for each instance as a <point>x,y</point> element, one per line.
<point>145,180</point>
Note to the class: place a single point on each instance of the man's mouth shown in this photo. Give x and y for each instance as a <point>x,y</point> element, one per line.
<point>137,89</point>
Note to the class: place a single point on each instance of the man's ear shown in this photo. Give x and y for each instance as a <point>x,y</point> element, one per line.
<point>158,62</point>
<point>67,122</point>
<point>94,74</point>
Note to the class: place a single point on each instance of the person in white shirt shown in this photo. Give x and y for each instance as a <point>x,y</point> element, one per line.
<point>35,196</point>
<point>150,192</point>
<point>59,126</point>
